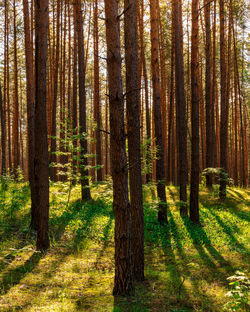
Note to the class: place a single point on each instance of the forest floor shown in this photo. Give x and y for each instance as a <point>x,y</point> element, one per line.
<point>186,266</point>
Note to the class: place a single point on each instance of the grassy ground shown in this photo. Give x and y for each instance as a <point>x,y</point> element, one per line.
<point>186,266</point>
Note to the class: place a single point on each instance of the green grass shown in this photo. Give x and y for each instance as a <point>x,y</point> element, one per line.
<point>186,266</point>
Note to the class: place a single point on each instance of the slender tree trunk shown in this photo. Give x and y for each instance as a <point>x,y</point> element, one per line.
<point>181,106</point>
<point>53,157</point>
<point>223,120</point>
<point>209,143</point>
<point>41,161</point>
<point>133,133</point>
<point>161,192</point>
<point>82,102</point>
<point>16,151</point>
<point>123,284</point>
<point>3,134</point>
<point>97,112</point>
<point>194,188</point>
<point>170,175</point>
<point>30,106</point>
<point>145,77</point>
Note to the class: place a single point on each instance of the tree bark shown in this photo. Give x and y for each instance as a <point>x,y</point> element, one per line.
<point>161,192</point>
<point>41,161</point>
<point>82,103</point>
<point>223,120</point>
<point>194,188</point>
<point>30,94</point>
<point>123,284</point>
<point>181,107</point>
<point>16,151</point>
<point>133,134</point>
<point>97,112</point>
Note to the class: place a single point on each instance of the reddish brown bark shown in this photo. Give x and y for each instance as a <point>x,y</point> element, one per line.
<point>123,266</point>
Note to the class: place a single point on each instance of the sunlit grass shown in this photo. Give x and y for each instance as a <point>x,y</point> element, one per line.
<point>186,266</point>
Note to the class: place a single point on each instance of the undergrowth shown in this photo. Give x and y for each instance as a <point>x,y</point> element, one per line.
<point>187,268</point>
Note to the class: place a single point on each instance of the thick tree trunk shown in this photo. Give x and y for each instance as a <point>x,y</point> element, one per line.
<point>194,188</point>
<point>41,161</point>
<point>161,192</point>
<point>123,284</point>
<point>133,134</point>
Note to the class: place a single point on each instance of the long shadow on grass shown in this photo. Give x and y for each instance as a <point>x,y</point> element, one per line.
<point>185,260</point>
<point>14,276</point>
<point>200,239</point>
<point>105,239</point>
<point>230,204</point>
<point>39,287</point>
<point>229,231</point>
<point>85,212</point>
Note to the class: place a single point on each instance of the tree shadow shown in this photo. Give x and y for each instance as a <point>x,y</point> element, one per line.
<point>78,210</point>
<point>229,231</point>
<point>200,239</point>
<point>229,204</point>
<point>14,276</point>
<point>106,241</point>
<point>185,261</point>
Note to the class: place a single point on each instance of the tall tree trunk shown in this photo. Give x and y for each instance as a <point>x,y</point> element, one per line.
<point>16,151</point>
<point>161,192</point>
<point>82,102</point>
<point>30,93</point>
<point>194,188</point>
<point>133,133</point>
<point>74,100</point>
<point>3,133</point>
<point>123,284</point>
<point>209,143</point>
<point>170,174</point>
<point>97,112</point>
<point>181,106</point>
<point>223,120</point>
<point>41,161</point>
<point>145,77</point>
<point>53,157</point>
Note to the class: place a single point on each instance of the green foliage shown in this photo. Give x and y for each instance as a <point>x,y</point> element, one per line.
<point>239,293</point>
<point>148,155</point>
<point>186,266</point>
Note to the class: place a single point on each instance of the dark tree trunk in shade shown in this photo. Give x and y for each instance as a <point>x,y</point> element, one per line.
<point>208,98</point>
<point>161,192</point>
<point>180,107</point>
<point>133,134</point>
<point>194,188</point>
<point>41,161</point>
<point>223,120</point>
<point>82,102</point>
<point>30,107</point>
<point>3,133</point>
<point>123,284</point>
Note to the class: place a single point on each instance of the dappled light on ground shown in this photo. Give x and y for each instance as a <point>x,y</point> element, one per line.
<point>186,266</point>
